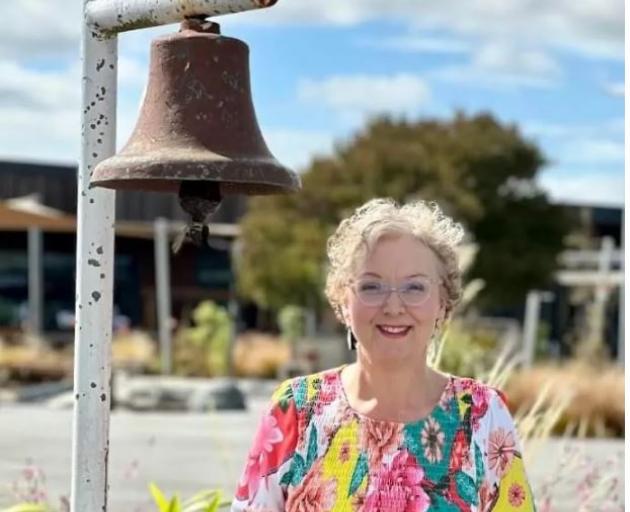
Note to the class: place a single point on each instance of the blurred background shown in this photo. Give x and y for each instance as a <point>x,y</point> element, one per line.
<point>510,116</point>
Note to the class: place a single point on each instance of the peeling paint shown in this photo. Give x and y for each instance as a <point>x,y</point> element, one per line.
<point>130,25</point>
<point>96,296</point>
<point>94,263</point>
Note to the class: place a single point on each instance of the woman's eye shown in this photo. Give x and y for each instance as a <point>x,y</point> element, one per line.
<point>370,287</point>
<point>416,287</point>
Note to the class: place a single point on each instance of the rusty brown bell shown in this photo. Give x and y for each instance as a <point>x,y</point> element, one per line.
<point>197,133</point>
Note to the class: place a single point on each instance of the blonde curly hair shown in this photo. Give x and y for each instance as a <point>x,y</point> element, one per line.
<point>357,235</point>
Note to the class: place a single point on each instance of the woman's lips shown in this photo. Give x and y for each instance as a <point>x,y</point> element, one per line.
<point>394,331</point>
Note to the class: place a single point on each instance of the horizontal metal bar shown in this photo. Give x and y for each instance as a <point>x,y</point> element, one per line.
<point>110,17</point>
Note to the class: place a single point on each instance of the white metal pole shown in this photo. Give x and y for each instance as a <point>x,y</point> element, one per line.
<point>532,314</point>
<point>163,292</point>
<point>94,285</point>
<point>35,293</point>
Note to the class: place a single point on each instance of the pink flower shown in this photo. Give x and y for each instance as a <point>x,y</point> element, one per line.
<point>267,435</point>
<point>516,495</point>
<point>397,488</point>
<point>501,447</point>
<point>479,404</point>
<point>314,494</point>
<point>273,444</point>
<point>379,438</point>
<point>432,440</point>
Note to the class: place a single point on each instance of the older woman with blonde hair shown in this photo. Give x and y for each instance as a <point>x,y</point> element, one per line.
<point>388,432</point>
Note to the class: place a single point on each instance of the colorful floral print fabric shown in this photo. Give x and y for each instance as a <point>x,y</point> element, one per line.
<point>314,453</point>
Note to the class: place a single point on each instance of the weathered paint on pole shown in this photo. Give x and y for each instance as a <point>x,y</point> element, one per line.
<point>94,284</point>
<point>163,292</point>
<point>113,16</point>
<point>35,280</point>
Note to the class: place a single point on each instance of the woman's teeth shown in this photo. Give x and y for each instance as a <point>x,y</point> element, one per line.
<point>394,330</point>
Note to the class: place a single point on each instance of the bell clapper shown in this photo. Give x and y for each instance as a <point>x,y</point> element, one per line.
<point>201,200</point>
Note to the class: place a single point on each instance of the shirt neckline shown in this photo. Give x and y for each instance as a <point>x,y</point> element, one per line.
<point>446,392</point>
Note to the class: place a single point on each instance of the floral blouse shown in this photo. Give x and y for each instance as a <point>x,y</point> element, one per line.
<point>314,453</point>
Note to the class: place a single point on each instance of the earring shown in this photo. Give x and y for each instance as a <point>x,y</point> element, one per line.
<point>351,340</point>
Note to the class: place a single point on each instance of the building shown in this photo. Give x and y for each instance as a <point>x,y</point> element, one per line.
<point>196,273</point>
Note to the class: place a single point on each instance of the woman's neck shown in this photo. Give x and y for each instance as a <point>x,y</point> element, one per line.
<point>402,393</point>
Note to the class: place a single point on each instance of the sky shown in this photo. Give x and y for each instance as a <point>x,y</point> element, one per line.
<point>320,69</point>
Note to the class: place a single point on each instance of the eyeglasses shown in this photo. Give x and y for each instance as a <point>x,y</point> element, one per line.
<point>413,292</point>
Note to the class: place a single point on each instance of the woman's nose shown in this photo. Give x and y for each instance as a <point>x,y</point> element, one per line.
<point>393,303</point>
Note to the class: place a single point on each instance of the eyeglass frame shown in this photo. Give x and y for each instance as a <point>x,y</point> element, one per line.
<point>392,289</point>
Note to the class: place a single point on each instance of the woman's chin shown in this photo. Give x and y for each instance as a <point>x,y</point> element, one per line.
<point>388,351</point>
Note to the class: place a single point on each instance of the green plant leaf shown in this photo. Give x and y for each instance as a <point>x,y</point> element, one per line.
<point>159,498</point>
<point>28,507</point>
<point>175,505</point>
<point>203,501</point>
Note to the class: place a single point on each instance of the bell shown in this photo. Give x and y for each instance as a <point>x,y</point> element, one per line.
<point>197,133</point>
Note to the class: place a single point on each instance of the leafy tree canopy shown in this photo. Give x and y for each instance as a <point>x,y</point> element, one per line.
<point>480,171</point>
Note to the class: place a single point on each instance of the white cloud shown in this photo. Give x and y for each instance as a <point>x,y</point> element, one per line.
<point>585,188</point>
<point>589,27</point>
<point>610,128</point>
<point>499,65</point>
<point>367,94</point>
<point>297,148</point>
<point>40,28</point>
<point>598,151</point>
<point>414,43</point>
<point>40,110</point>
<point>615,88</point>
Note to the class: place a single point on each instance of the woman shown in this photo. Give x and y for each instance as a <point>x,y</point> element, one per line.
<point>388,433</point>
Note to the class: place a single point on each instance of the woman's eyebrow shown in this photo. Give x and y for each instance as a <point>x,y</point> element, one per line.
<point>374,274</point>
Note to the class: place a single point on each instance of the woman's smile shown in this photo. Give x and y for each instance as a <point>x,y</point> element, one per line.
<point>394,331</point>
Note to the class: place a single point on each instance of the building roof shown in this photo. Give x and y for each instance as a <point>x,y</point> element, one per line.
<point>56,187</point>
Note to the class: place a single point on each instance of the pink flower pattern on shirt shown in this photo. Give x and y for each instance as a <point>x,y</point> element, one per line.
<point>397,488</point>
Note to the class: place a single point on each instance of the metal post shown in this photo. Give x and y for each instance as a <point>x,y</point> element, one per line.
<point>94,285</point>
<point>35,294</point>
<point>163,293</point>
<point>602,290</point>
<point>530,328</point>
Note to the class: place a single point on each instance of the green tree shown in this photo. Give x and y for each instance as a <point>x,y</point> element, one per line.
<point>480,171</point>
